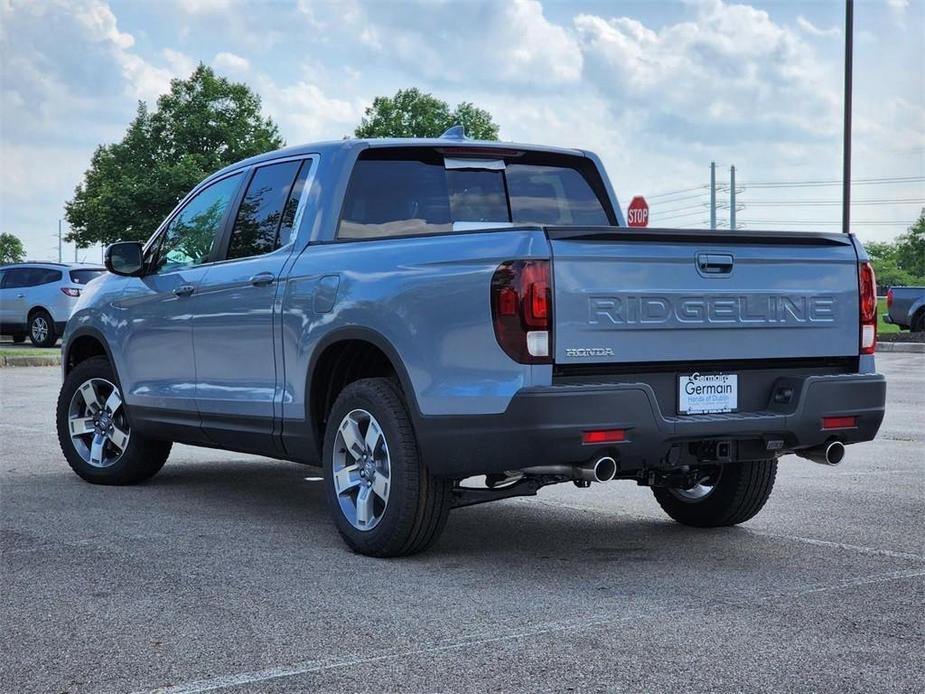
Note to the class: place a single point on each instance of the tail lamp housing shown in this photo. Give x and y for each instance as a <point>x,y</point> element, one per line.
<point>71,291</point>
<point>867,300</point>
<point>521,310</point>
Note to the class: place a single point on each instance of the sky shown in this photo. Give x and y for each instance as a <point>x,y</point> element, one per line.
<point>658,89</point>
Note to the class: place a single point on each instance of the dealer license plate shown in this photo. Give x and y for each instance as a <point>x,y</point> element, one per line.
<point>707,393</point>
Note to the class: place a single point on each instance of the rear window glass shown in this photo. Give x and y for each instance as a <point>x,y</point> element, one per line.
<point>263,209</point>
<point>84,276</point>
<point>413,193</point>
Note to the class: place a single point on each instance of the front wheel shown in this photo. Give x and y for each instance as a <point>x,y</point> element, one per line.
<point>731,495</point>
<point>95,433</point>
<point>383,499</point>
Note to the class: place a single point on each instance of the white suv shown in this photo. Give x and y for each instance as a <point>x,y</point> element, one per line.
<point>36,299</point>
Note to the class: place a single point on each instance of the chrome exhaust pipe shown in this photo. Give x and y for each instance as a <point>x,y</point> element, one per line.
<point>603,469</point>
<point>831,453</point>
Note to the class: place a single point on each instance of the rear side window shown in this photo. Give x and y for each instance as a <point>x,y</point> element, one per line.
<point>84,276</point>
<point>30,277</point>
<point>406,192</point>
<point>553,195</point>
<point>266,210</point>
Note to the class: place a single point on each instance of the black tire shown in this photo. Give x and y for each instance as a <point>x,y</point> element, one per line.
<point>418,503</point>
<point>142,457</point>
<point>19,339</point>
<point>918,322</point>
<point>42,329</point>
<point>740,492</point>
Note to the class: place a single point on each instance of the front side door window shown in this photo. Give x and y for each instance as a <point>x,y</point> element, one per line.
<point>191,234</point>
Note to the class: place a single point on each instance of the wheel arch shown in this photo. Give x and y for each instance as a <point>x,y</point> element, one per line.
<point>342,357</point>
<point>82,344</point>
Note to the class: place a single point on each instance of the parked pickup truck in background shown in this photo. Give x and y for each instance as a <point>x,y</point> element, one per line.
<point>410,314</point>
<point>906,308</point>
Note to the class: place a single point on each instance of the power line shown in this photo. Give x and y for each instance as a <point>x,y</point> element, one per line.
<point>676,192</point>
<point>813,223</point>
<point>857,181</point>
<point>823,203</point>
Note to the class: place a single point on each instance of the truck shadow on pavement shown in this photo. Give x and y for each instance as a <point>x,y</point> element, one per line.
<point>276,496</point>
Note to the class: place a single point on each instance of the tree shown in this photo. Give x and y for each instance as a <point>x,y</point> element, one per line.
<point>910,248</point>
<point>412,113</point>
<point>11,249</point>
<point>203,124</point>
<point>901,262</point>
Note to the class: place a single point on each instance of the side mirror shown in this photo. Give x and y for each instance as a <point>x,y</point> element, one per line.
<point>125,258</point>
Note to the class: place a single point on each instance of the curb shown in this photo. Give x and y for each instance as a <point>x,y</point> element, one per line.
<point>47,360</point>
<point>907,347</point>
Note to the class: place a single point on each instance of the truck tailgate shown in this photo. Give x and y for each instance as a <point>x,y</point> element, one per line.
<point>679,295</point>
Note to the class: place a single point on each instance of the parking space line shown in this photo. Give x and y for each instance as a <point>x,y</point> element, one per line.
<point>860,549</point>
<point>313,666</point>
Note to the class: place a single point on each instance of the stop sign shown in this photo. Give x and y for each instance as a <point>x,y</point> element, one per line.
<point>637,214</point>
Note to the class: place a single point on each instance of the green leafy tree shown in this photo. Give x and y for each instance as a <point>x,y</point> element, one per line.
<point>412,113</point>
<point>204,123</point>
<point>910,249</point>
<point>11,249</point>
<point>901,263</point>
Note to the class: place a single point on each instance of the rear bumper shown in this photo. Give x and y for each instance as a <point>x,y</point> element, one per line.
<point>543,426</point>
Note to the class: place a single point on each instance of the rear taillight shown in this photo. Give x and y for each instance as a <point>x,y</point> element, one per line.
<point>867,287</point>
<point>889,297</point>
<point>521,310</point>
<point>70,291</point>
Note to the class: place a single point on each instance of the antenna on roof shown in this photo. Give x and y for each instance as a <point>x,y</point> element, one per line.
<point>457,132</point>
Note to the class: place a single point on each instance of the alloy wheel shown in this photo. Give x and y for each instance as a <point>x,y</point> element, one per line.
<point>699,491</point>
<point>361,469</point>
<point>39,329</point>
<point>97,424</point>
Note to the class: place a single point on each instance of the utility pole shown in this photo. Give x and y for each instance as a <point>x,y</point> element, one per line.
<point>732,197</point>
<point>712,194</point>
<point>59,241</point>
<point>846,151</point>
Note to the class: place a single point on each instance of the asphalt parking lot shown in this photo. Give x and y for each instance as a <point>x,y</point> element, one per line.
<point>224,573</point>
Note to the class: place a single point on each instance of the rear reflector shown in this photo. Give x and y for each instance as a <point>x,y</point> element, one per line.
<point>839,422</point>
<point>603,436</point>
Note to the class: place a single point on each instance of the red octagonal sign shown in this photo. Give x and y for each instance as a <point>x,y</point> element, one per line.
<point>637,214</point>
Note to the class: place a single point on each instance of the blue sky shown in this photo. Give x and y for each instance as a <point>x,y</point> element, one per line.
<point>658,89</point>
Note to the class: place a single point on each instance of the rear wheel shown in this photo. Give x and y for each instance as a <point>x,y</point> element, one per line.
<point>731,495</point>
<point>42,329</point>
<point>383,500</point>
<point>918,322</point>
<point>95,433</point>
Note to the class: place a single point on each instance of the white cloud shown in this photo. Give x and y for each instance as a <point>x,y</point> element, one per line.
<point>231,62</point>
<point>730,68</point>
<point>305,113</point>
<point>501,43</point>
<point>811,28</point>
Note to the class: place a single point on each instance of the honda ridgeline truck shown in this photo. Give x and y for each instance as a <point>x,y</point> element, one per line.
<point>411,314</point>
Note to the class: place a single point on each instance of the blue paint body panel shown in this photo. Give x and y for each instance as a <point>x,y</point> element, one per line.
<point>237,357</point>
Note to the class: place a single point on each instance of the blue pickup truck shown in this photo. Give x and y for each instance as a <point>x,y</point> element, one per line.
<point>442,322</point>
<point>905,308</point>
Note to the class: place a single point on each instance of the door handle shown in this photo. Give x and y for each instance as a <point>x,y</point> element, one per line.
<point>20,296</point>
<point>184,290</point>
<point>715,263</point>
<point>262,279</point>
